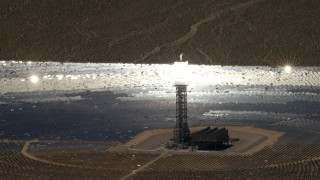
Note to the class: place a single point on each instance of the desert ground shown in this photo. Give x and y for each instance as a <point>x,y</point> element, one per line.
<point>232,32</point>
<point>251,139</point>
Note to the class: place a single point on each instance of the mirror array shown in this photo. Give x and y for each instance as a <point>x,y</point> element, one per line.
<point>87,105</point>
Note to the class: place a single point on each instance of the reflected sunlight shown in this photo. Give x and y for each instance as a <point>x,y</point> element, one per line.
<point>34,79</point>
<point>59,76</point>
<point>287,68</point>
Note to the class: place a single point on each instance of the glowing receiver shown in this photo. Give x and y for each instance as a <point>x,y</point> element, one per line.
<point>181,72</point>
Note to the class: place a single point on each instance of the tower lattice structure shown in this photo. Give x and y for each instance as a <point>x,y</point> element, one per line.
<point>181,133</point>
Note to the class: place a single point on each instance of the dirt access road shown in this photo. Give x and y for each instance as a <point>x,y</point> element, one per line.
<point>194,28</point>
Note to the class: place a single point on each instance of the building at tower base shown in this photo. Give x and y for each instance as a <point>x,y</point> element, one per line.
<point>210,139</point>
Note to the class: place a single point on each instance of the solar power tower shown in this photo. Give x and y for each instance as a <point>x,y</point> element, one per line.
<point>181,132</point>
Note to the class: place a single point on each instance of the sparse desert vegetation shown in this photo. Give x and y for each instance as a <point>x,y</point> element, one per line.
<point>233,32</point>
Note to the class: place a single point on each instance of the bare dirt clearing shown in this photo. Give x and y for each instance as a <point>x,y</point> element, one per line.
<point>251,139</point>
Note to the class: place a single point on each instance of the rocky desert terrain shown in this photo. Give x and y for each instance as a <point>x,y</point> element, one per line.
<point>230,32</point>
